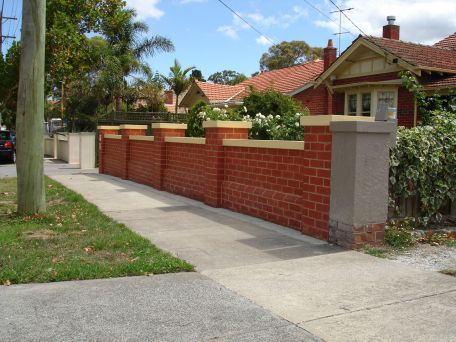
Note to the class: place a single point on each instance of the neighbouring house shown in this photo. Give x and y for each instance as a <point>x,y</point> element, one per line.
<point>367,74</point>
<point>364,76</point>
<point>293,81</point>
<point>170,102</point>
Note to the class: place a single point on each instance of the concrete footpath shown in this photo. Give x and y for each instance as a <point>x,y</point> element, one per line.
<point>327,292</point>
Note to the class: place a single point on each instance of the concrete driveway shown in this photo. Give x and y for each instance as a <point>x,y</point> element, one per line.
<point>334,294</point>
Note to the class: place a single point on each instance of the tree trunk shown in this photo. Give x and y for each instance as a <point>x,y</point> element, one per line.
<point>177,103</point>
<point>30,110</point>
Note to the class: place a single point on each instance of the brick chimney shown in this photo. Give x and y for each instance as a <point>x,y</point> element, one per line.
<point>329,54</point>
<point>391,31</point>
<point>169,97</point>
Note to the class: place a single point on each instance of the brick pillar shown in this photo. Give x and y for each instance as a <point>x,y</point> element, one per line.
<point>160,132</point>
<point>316,176</point>
<point>126,131</point>
<point>102,130</point>
<point>215,132</point>
<point>359,182</point>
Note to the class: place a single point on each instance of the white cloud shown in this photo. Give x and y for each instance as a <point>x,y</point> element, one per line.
<point>422,21</point>
<point>262,40</point>
<point>228,31</point>
<point>261,22</point>
<point>183,2</point>
<point>146,8</point>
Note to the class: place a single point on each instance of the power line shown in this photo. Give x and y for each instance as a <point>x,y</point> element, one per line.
<point>245,21</point>
<point>326,16</point>
<point>346,16</point>
<point>8,36</point>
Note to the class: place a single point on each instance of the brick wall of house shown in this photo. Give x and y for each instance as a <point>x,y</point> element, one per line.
<point>405,108</point>
<point>316,100</point>
<point>286,186</point>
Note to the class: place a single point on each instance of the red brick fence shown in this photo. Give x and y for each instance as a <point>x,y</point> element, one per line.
<point>285,182</point>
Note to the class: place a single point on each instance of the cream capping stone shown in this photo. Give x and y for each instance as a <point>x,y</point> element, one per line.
<point>169,126</point>
<point>325,120</point>
<point>113,136</point>
<point>278,144</point>
<point>142,137</point>
<point>186,140</point>
<point>226,124</point>
<point>109,127</point>
<point>133,126</point>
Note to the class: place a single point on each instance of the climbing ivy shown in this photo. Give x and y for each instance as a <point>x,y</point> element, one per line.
<point>423,163</point>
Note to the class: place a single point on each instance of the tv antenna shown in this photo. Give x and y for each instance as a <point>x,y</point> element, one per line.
<point>340,33</point>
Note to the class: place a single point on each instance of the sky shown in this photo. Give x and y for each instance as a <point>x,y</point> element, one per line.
<point>211,38</point>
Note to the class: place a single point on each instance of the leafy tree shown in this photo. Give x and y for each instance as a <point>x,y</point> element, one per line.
<point>197,75</point>
<point>229,77</point>
<point>178,80</point>
<point>9,82</point>
<point>287,54</point>
<point>125,38</point>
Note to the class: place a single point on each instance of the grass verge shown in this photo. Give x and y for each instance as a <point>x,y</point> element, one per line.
<point>449,271</point>
<point>73,240</point>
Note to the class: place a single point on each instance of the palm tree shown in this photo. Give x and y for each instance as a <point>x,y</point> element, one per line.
<point>178,80</point>
<point>130,48</point>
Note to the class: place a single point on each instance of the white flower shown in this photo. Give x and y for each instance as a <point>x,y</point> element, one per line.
<point>245,109</point>
<point>277,116</point>
<point>216,109</point>
<point>201,115</point>
<point>270,117</point>
<point>226,106</point>
<point>297,124</point>
<point>208,119</point>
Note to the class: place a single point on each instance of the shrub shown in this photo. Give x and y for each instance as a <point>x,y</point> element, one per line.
<point>276,127</point>
<point>201,112</point>
<point>398,234</point>
<point>423,163</point>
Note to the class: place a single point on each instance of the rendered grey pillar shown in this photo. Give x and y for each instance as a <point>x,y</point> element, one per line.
<point>359,182</point>
<point>87,150</point>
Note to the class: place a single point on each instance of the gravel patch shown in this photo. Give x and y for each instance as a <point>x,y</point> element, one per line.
<point>427,257</point>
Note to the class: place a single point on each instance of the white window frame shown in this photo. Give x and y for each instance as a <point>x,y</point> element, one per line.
<point>374,99</point>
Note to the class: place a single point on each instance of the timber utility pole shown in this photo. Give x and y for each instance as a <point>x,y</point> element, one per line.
<point>30,110</point>
<point>4,18</point>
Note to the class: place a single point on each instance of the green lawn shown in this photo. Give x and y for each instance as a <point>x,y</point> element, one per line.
<point>72,240</point>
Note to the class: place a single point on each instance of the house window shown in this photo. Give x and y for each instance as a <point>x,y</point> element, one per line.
<point>366,104</point>
<point>352,104</point>
<point>385,97</point>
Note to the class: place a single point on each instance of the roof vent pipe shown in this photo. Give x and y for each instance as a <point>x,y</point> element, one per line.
<point>391,19</point>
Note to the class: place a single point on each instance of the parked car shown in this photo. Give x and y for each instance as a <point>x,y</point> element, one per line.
<point>7,146</point>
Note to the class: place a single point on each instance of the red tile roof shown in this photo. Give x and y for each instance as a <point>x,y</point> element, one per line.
<point>219,92</point>
<point>423,56</point>
<point>286,80</point>
<point>445,81</point>
<point>447,43</point>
